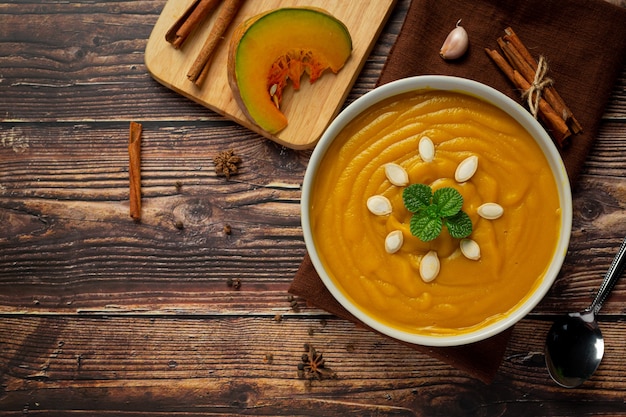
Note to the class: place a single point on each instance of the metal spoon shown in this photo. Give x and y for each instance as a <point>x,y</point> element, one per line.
<point>575,346</point>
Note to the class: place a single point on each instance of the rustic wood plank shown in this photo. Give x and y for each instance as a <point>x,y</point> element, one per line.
<point>248,366</point>
<point>607,155</point>
<point>80,53</point>
<point>72,210</point>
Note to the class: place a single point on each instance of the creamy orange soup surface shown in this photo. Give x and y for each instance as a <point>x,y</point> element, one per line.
<point>515,249</point>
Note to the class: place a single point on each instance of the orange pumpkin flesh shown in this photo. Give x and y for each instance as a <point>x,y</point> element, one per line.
<point>280,45</point>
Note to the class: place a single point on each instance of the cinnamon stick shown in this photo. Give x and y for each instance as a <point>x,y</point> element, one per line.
<point>517,60</point>
<point>560,131</point>
<point>527,66</point>
<point>516,47</point>
<point>185,25</point>
<point>134,169</point>
<point>554,121</point>
<point>511,36</point>
<point>528,69</point>
<point>225,16</point>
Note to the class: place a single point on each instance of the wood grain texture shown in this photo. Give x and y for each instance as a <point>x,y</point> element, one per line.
<point>85,228</point>
<point>138,365</point>
<point>102,316</point>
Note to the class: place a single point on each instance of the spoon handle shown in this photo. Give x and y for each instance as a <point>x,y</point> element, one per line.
<point>610,279</point>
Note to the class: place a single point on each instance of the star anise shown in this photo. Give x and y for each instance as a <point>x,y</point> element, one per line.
<point>312,365</point>
<point>226,163</point>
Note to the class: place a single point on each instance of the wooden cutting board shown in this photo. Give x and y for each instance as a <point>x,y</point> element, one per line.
<point>310,109</point>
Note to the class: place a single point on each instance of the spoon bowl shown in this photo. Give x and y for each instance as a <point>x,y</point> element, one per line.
<point>574,338</point>
<point>575,346</point>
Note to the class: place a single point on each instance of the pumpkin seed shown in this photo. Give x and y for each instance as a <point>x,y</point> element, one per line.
<point>429,266</point>
<point>272,92</point>
<point>396,175</point>
<point>470,249</point>
<point>466,169</point>
<point>379,205</point>
<point>426,149</point>
<point>394,241</point>
<point>490,211</point>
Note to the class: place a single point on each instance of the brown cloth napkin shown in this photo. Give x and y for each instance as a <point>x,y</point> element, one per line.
<point>584,42</point>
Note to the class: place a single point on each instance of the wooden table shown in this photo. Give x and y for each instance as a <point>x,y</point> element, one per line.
<point>100,315</point>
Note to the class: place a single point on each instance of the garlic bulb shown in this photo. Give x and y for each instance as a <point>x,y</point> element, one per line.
<point>456,43</point>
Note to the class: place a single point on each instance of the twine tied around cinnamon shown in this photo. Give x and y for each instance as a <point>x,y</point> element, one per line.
<point>529,76</point>
<point>533,94</point>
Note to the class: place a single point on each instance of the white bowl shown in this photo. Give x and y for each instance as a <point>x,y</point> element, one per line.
<point>522,116</point>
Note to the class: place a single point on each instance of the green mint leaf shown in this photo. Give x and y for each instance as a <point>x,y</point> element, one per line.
<point>448,200</point>
<point>432,211</point>
<point>459,226</point>
<point>425,227</point>
<point>416,197</point>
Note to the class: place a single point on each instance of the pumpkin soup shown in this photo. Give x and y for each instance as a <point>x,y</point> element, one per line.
<point>511,198</point>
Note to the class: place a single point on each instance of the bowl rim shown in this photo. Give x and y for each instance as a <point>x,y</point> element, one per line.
<point>490,95</point>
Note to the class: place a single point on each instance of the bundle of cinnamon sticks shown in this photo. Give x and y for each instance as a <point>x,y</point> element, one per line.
<point>529,75</point>
<point>195,14</point>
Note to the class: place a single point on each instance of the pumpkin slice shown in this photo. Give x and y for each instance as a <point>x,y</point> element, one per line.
<point>269,49</point>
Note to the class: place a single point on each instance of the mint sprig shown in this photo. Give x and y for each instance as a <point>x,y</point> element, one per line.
<point>431,211</point>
